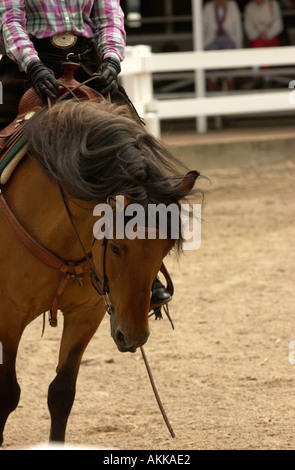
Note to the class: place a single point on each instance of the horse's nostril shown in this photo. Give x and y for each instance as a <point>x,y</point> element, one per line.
<point>127,343</point>
<point>120,338</point>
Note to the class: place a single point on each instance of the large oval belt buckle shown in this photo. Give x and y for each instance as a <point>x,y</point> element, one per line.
<point>64,41</point>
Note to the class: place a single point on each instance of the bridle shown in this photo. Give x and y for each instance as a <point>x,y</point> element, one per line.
<point>100,285</point>
<point>76,270</point>
<point>70,270</point>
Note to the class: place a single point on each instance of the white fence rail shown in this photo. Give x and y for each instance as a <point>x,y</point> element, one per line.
<point>140,63</point>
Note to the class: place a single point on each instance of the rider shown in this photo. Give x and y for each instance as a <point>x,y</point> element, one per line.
<point>38,36</point>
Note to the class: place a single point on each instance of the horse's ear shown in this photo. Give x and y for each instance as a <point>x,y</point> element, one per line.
<point>118,203</point>
<point>187,183</point>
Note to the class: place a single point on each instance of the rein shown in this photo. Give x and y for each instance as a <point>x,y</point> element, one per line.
<point>101,287</point>
<point>109,308</point>
<point>69,269</point>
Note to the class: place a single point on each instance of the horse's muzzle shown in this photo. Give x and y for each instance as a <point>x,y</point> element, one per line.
<point>129,343</point>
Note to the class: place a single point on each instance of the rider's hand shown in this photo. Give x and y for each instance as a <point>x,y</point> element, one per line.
<point>43,80</point>
<point>107,76</point>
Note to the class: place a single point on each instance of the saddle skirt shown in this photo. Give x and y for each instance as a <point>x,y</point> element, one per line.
<point>13,146</point>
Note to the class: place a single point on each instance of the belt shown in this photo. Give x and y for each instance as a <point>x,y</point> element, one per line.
<point>62,43</point>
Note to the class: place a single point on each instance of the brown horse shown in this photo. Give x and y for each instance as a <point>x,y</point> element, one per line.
<point>80,154</point>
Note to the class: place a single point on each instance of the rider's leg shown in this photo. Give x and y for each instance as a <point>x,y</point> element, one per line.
<point>13,83</point>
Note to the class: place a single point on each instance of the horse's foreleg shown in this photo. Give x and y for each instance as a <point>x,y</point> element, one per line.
<point>79,327</point>
<point>9,388</point>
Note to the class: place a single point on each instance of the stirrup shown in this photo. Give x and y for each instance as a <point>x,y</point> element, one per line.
<point>156,307</point>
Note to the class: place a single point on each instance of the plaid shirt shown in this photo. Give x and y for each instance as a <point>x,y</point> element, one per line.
<point>22,19</point>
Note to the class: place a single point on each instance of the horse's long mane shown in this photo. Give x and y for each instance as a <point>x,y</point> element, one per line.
<point>96,150</point>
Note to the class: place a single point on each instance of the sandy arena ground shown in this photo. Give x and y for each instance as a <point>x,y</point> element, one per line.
<point>224,373</point>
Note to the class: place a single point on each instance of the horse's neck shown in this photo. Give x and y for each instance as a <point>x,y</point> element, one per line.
<point>37,203</point>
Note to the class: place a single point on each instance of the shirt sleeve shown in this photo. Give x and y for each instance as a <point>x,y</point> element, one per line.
<point>108,21</point>
<point>13,33</point>
<point>250,29</point>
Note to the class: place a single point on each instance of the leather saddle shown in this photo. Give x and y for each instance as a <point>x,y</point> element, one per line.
<point>69,87</point>
<point>12,140</point>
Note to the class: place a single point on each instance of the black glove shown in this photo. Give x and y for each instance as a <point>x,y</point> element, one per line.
<point>107,76</point>
<point>43,80</point>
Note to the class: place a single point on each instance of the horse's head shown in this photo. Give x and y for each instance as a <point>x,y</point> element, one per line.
<point>130,268</point>
<point>96,152</point>
<point>134,254</point>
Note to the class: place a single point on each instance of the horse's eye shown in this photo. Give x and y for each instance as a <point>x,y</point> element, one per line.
<point>115,249</point>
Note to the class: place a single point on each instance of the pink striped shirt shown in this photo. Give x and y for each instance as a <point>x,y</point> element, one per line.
<point>23,19</point>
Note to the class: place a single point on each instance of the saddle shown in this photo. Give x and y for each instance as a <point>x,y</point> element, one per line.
<point>13,145</point>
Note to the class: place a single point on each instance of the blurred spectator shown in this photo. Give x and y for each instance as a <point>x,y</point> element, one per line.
<point>222,25</point>
<point>263,23</point>
<point>263,26</point>
<point>222,28</point>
